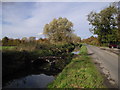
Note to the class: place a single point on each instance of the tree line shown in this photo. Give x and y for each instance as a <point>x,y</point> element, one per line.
<point>91,40</point>
<point>6,41</point>
<point>57,31</point>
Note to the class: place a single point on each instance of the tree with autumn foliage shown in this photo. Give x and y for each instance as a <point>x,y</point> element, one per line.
<point>91,40</point>
<point>59,30</point>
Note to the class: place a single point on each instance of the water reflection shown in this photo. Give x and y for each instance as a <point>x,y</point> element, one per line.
<point>32,81</point>
<point>30,78</point>
<point>34,75</point>
<point>76,52</point>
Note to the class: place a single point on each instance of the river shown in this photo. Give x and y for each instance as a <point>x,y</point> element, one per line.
<point>30,81</point>
<point>30,78</point>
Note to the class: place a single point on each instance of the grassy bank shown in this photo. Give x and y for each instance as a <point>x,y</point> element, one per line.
<point>80,73</point>
<point>7,47</point>
<point>15,58</point>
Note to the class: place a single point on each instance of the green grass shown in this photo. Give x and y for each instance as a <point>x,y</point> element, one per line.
<point>7,47</point>
<point>80,73</point>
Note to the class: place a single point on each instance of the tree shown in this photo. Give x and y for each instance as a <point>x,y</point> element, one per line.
<point>31,39</point>
<point>75,38</point>
<point>24,39</point>
<point>16,42</point>
<point>91,40</point>
<point>104,24</point>
<point>5,41</point>
<point>59,30</point>
<point>118,22</point>
<point>0,42</point>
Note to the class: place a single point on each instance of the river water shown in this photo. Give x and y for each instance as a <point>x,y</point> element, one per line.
<point>33,77</point>
<point>31,81</point>
<point>30,78</point>
<point>76,52</point>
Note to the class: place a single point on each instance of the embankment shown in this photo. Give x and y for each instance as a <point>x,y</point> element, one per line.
<point>79,73</point>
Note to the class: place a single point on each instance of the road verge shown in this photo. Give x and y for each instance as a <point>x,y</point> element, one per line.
<point>79,73</point>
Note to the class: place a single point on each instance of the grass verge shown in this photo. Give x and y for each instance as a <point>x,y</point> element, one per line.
<point>80,73</point>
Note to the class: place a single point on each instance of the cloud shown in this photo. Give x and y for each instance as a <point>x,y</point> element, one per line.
<point>39,33</point>
<point>25,19</point>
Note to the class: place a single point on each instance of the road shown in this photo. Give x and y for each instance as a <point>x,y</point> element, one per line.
<point>107,59</point>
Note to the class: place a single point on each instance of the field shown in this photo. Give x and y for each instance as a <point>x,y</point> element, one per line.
<point>7,47</point>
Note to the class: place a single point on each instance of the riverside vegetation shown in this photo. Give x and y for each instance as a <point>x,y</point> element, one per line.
<point>20,57</point>
<point>13,58</point>
<point>79,73</point>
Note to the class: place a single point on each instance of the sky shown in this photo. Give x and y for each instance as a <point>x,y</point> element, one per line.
<point>26,19</point>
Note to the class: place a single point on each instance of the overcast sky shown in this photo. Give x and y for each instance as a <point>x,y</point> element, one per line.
<point>20,19</point>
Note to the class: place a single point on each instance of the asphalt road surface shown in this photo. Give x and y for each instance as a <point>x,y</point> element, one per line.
<point>107,59</point>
